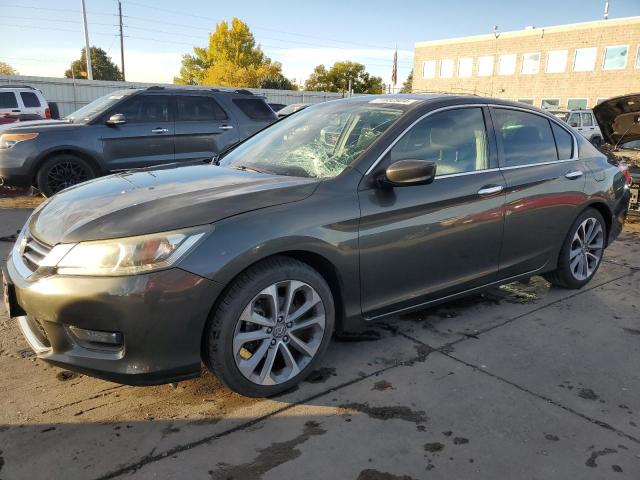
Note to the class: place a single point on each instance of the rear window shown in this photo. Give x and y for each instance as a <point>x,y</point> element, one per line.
<point>30,99</point>
<point>255,108</point>
<point>8,100</point>
<point>199,109</point>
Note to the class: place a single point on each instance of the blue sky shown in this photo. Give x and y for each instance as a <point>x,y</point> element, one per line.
<point>41,37</point>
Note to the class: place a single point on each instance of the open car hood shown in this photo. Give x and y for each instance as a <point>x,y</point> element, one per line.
<point>619,119</point>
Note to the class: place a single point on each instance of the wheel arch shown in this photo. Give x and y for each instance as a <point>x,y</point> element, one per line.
<point>44,156</point>
<point>606,213</point>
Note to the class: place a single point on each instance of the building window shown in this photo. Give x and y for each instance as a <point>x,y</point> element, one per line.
<point>550,103</point>
<point>429,69</point>
<point>526,101</point>
<point>465,67</point>
<point>585,59</point>
<point>577,103</point>
<point>485,66</point>
<point>446,68</point>
<point>557,61</point>
<point>507,64</point>
<point>530,63</point>
<point>638,57</point>
<point>615,58</point>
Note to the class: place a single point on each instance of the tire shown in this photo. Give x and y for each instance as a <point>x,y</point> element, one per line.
<point>228,350</point>
<point>62,171</point>
<point>571,272</point>
<point>54,110</point>
<point>596,141</point>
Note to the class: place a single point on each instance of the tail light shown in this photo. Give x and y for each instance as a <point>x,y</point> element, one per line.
<point>47,113</point>
<point>624,168</point>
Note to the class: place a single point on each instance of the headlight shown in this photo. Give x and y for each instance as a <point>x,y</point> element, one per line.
<point>8,140</point>
<point>125,256</point>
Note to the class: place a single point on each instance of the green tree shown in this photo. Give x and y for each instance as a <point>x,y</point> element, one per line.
<point>101,66</point>
<point>232,59</point>
<point>6,69</point>
<point>336,79</point>
<point>278,82</point>
<point>407,86</point>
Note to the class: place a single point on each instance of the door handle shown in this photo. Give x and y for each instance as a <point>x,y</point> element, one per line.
<point>226,127</point>
<point>160,130</point>
<point>573,175</point>
<point>490,190</point>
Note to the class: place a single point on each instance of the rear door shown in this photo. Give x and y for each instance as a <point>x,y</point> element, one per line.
<point>419,243</point>
<point>147,137</point>
<point>588,125</point>
<point>544,187</point>
<point>203,127</point>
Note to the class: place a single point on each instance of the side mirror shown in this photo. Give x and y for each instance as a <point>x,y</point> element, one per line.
<point>573,124</point>
<point>117,119</point>
<point>405,173</point>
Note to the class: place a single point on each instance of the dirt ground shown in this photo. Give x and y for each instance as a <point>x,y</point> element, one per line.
<point>524,381</point>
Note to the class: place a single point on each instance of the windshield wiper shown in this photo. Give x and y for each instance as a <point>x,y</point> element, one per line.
<point>244,168</point>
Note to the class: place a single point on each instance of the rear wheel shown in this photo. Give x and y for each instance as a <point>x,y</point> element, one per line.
<point>596,141</point>
<point>62,171</point>
<point>582,251</point>
<point>270,328</point>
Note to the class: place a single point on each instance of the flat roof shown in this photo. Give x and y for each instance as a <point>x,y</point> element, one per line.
<point>533,31</point>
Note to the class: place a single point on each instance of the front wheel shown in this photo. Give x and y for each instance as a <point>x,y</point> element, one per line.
<point>62,171</point>
<point>582,251</point>
<point>270,328</point>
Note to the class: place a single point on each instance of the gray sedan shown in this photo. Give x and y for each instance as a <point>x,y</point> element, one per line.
<point>345,213</point>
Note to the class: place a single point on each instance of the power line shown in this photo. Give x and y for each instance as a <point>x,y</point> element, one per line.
<point>37,7</point>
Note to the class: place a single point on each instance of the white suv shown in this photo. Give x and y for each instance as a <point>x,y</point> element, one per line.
<point>585,123</point>
<point>21,102</point>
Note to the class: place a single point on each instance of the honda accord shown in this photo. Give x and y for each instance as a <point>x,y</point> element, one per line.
<point>348,212</point>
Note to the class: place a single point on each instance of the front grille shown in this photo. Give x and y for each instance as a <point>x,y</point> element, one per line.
<point>34,252</point>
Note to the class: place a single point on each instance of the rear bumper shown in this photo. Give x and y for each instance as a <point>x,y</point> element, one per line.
<point>619,216</point>
<point>160,316</point>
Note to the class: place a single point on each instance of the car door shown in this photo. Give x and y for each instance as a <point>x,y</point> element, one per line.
<point>419,243</point>
<point>147,137</point>
<point>203,127</point>
<point>9,104</point>
<point>545,185</point>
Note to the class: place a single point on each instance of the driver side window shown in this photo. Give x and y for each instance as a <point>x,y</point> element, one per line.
<point>455,139</point>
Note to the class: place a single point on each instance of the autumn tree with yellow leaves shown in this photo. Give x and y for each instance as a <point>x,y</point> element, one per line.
<point>232,59</point>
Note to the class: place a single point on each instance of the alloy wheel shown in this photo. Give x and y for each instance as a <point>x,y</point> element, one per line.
<point>279,332</point>
<point>586,249</point>
<point>66,174</point>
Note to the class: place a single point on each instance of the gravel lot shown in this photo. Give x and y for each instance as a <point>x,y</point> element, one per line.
<point>525,382</point>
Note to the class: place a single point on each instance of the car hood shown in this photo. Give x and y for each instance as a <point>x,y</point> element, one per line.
<point>37,126</point>
<point>619,118</point>
<point>157,200</point>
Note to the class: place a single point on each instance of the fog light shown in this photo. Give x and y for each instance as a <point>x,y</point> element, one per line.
<point>97,337</point>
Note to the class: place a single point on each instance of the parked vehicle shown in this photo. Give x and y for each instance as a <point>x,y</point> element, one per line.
<point>276,106</point>
<point>128,129</point>
<point>250,265</point>
<point>23,103</point>
<point>293,108</point>
<point>619,121</point>
<point>585,123</point>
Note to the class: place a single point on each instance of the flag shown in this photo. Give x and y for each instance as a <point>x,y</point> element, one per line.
<point>394,72</point>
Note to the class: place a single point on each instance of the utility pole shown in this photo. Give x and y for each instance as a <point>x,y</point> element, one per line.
<point>87,49</point>
<point>606,10</point>
<point>121,40</point>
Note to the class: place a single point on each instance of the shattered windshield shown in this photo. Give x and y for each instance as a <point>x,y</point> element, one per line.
<point>319,142</point>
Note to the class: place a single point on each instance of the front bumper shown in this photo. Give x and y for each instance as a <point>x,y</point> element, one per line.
<point>161,317</point>
<point>15,167</point>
